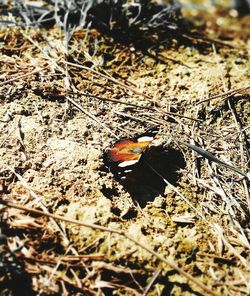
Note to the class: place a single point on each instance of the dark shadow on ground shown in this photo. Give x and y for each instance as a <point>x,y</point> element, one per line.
<point>15,280</point>
<point>143,183</point>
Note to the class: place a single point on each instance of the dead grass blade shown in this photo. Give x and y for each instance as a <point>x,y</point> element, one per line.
<point>225,95</point>
<point>109,78</point>
<point>141,107</point>
<point>92,117</point>
<point>149,286</point>
<point>211,157</point>
<point>23,75</point>
<point>171,114</point>
<point>124,115</point>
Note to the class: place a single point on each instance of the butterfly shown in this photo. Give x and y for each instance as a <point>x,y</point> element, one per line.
<point>126,153</point>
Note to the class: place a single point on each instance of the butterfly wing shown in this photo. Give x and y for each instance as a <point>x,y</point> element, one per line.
<point>124,154</point>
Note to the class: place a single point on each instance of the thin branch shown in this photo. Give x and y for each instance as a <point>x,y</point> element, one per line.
<point>109,78</point>
<point>131,117</point>
<point>153,279</point>
<point>92,117</point>
<point>78,93</point>
<point>138,106</point>
<point>43,51</point>
<point>225,95</point>
<point>23,75</point>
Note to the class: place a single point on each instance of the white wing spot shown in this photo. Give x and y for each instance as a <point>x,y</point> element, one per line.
<point>127,163</point>
<point>145,139</point>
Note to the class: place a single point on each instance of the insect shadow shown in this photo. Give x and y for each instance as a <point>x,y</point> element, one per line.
<point>144,182</point>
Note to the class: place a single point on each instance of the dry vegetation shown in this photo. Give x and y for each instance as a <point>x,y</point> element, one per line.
<point>68,227</point>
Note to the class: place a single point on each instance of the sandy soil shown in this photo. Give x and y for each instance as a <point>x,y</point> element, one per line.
<point>51,159</point>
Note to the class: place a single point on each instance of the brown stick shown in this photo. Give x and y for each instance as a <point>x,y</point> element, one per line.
<point>226,94</point>
<point>129,104</point>
<point>23,75</point>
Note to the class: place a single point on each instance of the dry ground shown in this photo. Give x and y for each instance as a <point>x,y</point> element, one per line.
<point>51,159</point>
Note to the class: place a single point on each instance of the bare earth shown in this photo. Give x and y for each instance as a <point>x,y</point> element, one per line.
<point>51,159</point>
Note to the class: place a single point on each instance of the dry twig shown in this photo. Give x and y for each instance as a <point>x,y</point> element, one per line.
<point>225,95</point>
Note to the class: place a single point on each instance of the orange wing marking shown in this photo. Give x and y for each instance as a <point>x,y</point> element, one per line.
<point>127,150</point>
